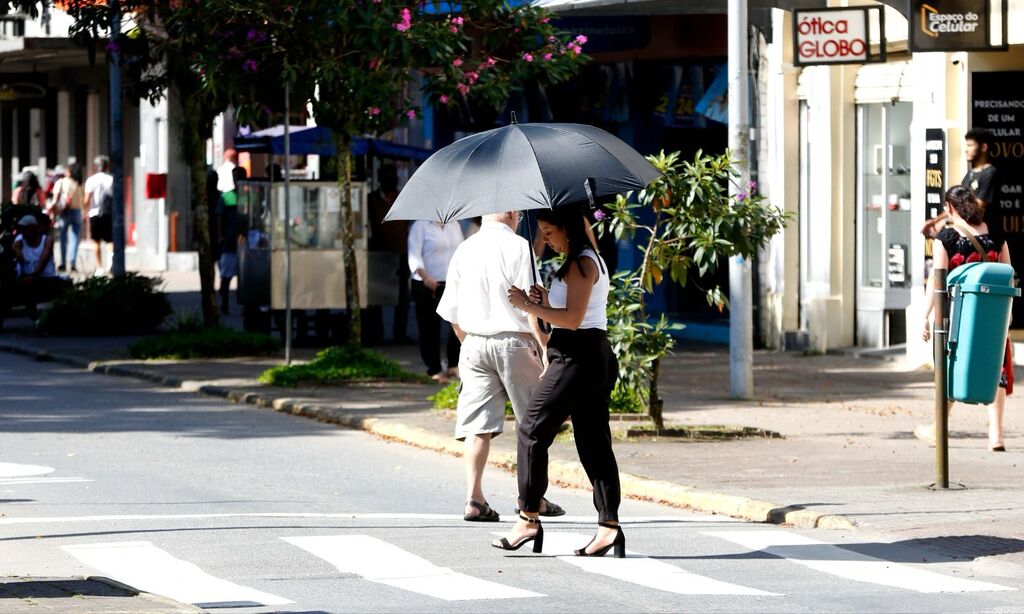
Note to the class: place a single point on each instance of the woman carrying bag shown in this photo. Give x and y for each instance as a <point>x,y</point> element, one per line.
<point>967,239</point>
<point>66,210</point>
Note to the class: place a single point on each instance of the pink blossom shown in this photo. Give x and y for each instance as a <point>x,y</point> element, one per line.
<point>457,62</point>
<point>411,113</point>
<point>552,39</point>
<point>443,98</point>
<point>527,57</point>
<point>406,23</point>
<point>581,40</point>
<point>490,62</point>
<point>457,21</point>
<point>599,215</point>
<point>249,66</point>
<point>454,29</point>
<point>463,89</point>
<point>545,19</point>
<point>547,57</point>
<point>472,77</point>
<point>373,110</point>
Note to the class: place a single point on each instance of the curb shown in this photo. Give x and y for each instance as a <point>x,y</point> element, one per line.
<point>563,473</point>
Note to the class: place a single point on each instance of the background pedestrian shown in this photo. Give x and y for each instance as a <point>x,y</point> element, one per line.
<point>99,200</point>
<point>431,246</point>
<point>66,208</point>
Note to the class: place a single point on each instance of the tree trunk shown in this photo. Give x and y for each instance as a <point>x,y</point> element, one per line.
<point>654,402</point>
<point>347,227</point>
<point>193,151</point>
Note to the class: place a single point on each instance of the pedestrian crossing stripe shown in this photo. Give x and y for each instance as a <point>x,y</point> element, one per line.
<point>640,569</point>
<point>850,565</point>
<point>384,563</point>
<point>147,568</point>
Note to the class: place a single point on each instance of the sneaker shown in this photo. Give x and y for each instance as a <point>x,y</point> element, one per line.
<point>99,273</point>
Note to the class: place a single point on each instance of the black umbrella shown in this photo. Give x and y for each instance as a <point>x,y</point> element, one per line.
<point>521,167</point>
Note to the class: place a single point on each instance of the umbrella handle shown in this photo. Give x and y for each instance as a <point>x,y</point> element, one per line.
<point>544,326</point>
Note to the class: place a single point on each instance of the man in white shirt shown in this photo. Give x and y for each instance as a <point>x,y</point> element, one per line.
<point>431,246</point>
<point>99,196</point>
<point>502,349</point>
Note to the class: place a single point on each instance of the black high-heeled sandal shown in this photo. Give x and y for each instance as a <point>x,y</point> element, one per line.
<point>537,538</point>
<point>619,543</point>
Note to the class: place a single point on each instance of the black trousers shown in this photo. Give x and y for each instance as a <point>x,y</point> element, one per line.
<point>578,383</point>
<point>429,324</point>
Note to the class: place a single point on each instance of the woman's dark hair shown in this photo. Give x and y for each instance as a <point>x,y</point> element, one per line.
<point>571,220</point>
<point>965,203</point>
<point>75,170</point>
<point>29,188</point>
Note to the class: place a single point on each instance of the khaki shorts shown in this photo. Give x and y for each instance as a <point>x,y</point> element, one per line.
<point>495,369</point>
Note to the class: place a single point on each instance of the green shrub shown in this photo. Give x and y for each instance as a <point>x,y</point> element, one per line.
<point>216,342</point>
<point>340,364</point>
<point>130,304</point>
<point>447,397</point>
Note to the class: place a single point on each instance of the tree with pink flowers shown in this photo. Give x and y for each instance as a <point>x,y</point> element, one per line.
<point>377,62</point>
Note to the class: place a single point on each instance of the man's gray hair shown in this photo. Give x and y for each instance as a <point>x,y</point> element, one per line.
<point>102,163</point>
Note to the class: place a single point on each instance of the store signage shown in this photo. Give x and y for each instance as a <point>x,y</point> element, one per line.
<point>836,36</point>
<point>934,171</point>
<point>997,105</point>
<point>14,92</point>
<point>955,25</point>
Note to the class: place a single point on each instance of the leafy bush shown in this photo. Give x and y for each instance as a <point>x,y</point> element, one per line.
<point>340,364</point>
<point>447,397</point>
<point>129,304</point>
<point>214,342</point>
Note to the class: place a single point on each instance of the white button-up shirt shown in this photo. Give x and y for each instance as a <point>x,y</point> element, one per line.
<point>431,246</point>
<point>482,270</point>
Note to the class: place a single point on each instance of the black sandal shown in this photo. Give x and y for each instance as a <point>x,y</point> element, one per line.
<point>619,544</point>
<point>485,513</point>
<point>537,538</point>
<point>550,510</point>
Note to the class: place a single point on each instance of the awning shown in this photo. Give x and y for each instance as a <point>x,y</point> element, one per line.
<point>318,141</point>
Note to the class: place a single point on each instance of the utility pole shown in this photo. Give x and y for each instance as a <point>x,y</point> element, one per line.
<point>740,300</point>
<point>116,143</point>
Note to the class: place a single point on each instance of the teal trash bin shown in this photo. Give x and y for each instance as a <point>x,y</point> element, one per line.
<point>981,294</point>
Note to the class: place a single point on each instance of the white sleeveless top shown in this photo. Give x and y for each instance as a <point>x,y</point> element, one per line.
<point>597,308</point>
<point>32,256</point>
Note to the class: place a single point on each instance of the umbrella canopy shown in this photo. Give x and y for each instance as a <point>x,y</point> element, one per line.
<point>520,167</point>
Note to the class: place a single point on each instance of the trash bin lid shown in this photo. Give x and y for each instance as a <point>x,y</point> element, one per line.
<point>984,278</point>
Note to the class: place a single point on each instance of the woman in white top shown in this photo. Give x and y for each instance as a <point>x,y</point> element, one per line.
<point>578,382</point>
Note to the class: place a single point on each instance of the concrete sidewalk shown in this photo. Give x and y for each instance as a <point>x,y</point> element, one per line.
<point>847,459</point>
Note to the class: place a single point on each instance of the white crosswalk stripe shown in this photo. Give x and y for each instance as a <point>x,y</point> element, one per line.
<point>148,568</point>
<point>843,563</point>
<point>379,561</point>
<point>639,569</point>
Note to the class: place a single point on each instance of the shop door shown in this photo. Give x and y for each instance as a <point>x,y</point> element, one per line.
<point>883,223</point>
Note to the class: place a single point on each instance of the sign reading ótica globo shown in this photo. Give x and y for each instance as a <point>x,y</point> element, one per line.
<point>957,25</point>
<point>836,36</point>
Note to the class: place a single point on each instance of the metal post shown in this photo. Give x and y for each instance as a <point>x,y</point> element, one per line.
<point>116,145</point>
<point>940,334</point>
<point>740,309</point>
<point>287,227</point>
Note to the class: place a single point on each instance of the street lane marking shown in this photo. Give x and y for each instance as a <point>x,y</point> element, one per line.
<point>340,516</point>
<point>148,568</point>
<point>843,563</point>
<point>40,480</point>
<point>14,470</point>
<point>639,569</point>
<point>384,563</point>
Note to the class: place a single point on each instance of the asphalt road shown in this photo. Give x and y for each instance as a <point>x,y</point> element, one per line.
<point>246,510</point>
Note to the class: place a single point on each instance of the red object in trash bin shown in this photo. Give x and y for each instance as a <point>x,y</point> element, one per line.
<point>156,185</point>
